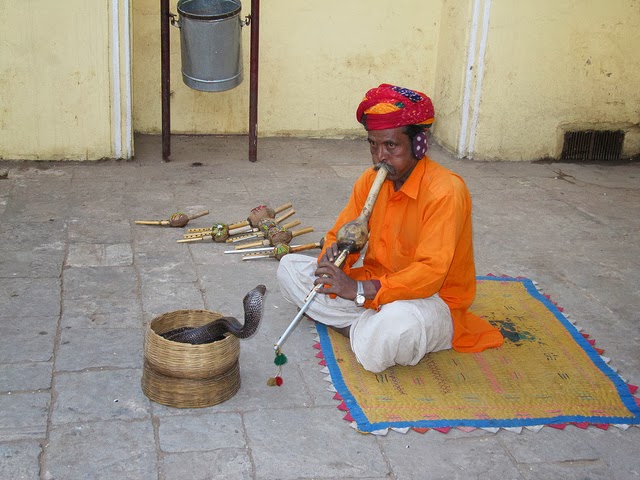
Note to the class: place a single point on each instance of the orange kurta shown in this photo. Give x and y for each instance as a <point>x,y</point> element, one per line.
<point>420,244</point>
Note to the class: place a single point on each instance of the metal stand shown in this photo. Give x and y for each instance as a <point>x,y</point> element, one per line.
<point>253,85</point>
<point>165,79</point>
<point>165,59</point>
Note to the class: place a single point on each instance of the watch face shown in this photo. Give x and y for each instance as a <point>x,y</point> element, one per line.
<point>360,300</point>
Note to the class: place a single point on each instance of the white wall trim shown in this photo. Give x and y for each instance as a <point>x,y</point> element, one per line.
<point>115,70</point>
<point>466,99</point>
<point>128,127</point>
<point>480,76</point>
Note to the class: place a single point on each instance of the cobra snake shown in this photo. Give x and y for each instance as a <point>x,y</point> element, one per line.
<point>213,331</point>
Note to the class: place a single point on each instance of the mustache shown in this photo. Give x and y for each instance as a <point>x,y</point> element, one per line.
<point>390,169</point>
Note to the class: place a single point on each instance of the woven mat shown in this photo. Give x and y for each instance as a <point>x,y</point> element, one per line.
<point>546,373</point>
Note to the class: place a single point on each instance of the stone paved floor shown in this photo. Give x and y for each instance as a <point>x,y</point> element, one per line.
<point>79,281</point>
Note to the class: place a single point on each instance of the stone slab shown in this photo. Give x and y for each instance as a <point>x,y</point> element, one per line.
<point>99,395</point>
<point>223,464</point>
<point>83,348</point>
<point>22,297</point>
<point>19,460</point>
<point>29,339</point>
<point>101,290</point>
<point>275,436</point>
<point>23,416</point>
<point>99,255</point>
<point>25,376</point>
<point>102,451</point>
<point>199,433</point>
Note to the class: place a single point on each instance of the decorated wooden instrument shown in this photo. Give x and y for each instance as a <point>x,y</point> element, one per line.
<point>351,237</point>
<point>176,220</point>
<point>219,232</point>
<point>263,231</point>
<point>256,228</point>
<point>276,236</point>
<point>258,213</point>
<point>281,250</point>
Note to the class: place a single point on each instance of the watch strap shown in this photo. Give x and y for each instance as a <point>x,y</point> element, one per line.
<point>360,298</point>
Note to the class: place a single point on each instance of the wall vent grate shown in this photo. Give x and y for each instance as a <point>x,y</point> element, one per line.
<point>593,145</point>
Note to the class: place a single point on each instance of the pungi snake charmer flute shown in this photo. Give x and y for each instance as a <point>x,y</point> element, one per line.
<point>280,250</point>
<point>176,220</point>
<point>221,232</point>
<point>263,226</point>
<point>351,237</point>
<point>257,214</point>
<point>275,237</point>
<point>263,230</point>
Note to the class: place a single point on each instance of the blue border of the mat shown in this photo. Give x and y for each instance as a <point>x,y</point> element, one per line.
<point>365,426</point>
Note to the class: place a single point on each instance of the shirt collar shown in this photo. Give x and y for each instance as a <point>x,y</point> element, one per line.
<point>411,187</point>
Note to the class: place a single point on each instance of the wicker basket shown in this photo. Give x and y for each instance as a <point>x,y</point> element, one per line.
<point>184,375</point>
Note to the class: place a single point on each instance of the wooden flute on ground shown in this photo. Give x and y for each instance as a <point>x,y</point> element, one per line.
<point>177,219</point>
<point>279,251</point>
<point>244,226</point>
<point>351,237</point>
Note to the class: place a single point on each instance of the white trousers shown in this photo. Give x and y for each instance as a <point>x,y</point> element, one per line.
<point>400,333</point>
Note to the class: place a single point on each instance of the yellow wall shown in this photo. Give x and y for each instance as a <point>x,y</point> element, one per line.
<point>73,88</point>
<point>553,66</point>
<point>316,62</point>
<point>56,80</point>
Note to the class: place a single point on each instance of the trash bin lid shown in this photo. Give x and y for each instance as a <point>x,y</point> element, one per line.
<point>209,9</point>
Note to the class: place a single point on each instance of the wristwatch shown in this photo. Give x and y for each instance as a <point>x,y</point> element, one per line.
<point>360,295</point>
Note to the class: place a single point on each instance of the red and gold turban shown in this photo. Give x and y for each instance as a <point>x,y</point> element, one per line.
<point>388,106</point>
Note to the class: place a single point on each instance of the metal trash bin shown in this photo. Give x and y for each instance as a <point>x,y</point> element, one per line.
<point>211,44</point>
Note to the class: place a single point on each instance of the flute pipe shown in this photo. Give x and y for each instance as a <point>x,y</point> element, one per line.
<point>249,236</point>
<point>374,191</point>
<point>263,249</point>
<point>240,224</point>
<point>290,225</point>
<point>152,222</point>
<point>191,240</point>
<point>308,300</point>
<point>198,214</point>
<point>197,234</point>
<point>255,250</point>
<point>246,236</point>
<point>257,243</point>
<point>302,231</point>
<point>283,207</point>
<point>305,246</point>
<point>295,322</point>
<point>285,215</point>
<point>366,212</point>
<point>271,253</point>
<point>234,230</point>
<point>199,230</point>
<point>245,223</point>
<point>257,255</point>
<point>249,229</point>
